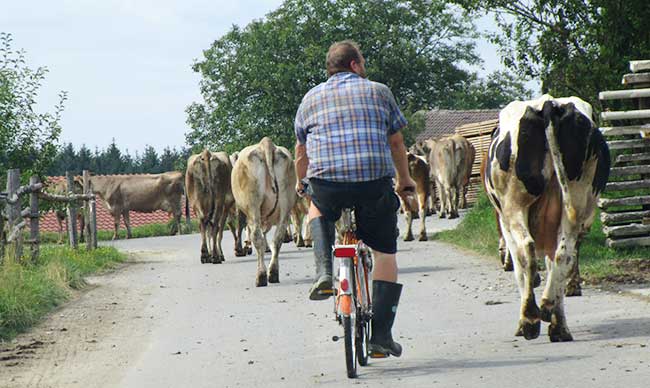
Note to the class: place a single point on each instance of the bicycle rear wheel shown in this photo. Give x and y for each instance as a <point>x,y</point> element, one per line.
<point>349,329</point>
<point>361,342</point>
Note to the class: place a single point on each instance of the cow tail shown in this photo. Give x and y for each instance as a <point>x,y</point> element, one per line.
<point>558,165</point>
<point>269,155</point>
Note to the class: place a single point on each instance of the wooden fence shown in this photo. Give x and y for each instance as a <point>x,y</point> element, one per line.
<point>14,220</point>
<point>479,134</point>
<point>626,215</point>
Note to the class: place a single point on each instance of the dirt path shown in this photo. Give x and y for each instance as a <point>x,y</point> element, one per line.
<point>165,320</point>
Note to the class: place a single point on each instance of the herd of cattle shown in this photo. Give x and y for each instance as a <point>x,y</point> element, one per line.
<point>546,166</point>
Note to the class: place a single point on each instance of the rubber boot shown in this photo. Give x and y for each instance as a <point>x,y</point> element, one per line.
<point>322,232</point>
<point>385,297</point>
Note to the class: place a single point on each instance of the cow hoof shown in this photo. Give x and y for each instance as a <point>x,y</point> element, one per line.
<point>573,290</point>
<point>204,260</point>
<point>300,244</point>
<point>537,281</point>
<point>408,237</point>
<point>287,239</point>
<point>308,244</point>
<point>453,215</point>
<point>423,237</point>
<point>240,252</point>
<point>519,332</point>
<point>443,215</point>
<point>261,280</point>
<point>529,330</point>
<point>249,250</point>
<point>545,313</point>
<point>559,334</point>
<point>267,250</point>
<point>274,276</point>
<point>217,260</point>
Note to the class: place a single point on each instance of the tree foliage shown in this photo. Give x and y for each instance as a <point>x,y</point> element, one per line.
<point>253,78</point>
<point>28,138</point>
<point>112,160</point>
<point>576,47</point>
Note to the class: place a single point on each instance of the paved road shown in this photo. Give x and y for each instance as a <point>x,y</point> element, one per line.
<point>165,320</point>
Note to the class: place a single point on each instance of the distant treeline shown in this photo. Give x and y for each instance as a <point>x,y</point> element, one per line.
<point>113,161</point>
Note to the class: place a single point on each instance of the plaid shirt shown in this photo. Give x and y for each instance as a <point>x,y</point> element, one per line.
<point>345,123</point>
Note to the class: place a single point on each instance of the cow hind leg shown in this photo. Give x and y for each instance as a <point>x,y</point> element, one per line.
<point>553,298</point>
<point>274,266</point>
<point>259,241</point>
<point>525,269</point>
<point>423,215</point>
<point>409,221</point>
<point>205,254</point>
<point>573,287</point>
<point>127,223</point>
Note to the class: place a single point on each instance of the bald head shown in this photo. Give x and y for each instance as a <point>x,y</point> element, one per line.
<point>345,56</point>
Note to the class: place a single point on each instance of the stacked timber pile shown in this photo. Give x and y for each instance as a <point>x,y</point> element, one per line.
<point>479,134</point>
<point>626,211</point>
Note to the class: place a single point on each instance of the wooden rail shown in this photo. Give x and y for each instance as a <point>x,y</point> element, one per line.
<point>18,219</point>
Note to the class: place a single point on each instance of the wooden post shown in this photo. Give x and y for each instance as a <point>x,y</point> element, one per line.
<point>72,212</point>
<point>33,220</point>
<point>13,211</point>
<point>89,214</point>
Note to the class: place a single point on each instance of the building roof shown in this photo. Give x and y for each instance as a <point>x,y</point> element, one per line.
<point>443,122</point>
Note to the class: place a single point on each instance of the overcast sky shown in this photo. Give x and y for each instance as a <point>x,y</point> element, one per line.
<point>126,64</point>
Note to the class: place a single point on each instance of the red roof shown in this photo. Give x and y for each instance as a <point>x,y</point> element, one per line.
<point>49,223</point>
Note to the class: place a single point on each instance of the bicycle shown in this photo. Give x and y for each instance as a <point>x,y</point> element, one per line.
<point>352,302</point>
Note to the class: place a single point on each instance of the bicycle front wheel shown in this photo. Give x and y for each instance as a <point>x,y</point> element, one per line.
<point>349,325</point>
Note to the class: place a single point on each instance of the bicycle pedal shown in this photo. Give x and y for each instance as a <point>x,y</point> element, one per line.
<point>379,355</point>
<point>326,292</point>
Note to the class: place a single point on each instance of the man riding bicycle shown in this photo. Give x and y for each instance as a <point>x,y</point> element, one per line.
<point>349,146</point>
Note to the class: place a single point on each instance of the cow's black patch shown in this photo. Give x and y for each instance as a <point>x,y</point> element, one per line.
<point>572,130</point>
<point>531,151</point>
<point>598,147</point>
<point>496,201</point>
<point>504,150</point>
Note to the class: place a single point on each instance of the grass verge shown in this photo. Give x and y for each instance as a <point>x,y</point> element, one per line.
<point>29,291</point>
<point>598,263</point>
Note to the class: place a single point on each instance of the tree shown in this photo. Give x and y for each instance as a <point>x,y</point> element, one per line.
<point>253,78</point>
<point>28,138</point>
<point>111,160</point>
<point>576,47</point>
<point>149,163</point>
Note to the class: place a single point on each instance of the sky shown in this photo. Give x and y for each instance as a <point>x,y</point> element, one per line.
<point>126,64</point>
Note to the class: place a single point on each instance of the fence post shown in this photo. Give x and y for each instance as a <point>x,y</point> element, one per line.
<point>89,214</point>
<point>34,233</point>
<point>13,211</point>
<point>72,212</point>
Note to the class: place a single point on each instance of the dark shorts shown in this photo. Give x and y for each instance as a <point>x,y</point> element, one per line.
<point>375,207</point>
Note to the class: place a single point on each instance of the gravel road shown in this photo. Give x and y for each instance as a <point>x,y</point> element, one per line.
<point>165,320</point>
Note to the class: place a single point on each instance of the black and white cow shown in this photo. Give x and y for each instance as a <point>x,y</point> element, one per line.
<point>547,165</point>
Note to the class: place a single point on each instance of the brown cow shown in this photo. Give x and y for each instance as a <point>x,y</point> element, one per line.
<point>263,181</point>
<point>419,170</point>
<point>207,183</point>
<point>547,165</point>
<point>142,193</point>
<point>298,218</point>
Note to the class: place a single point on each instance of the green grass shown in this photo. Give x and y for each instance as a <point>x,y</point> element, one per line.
<point>151,230</point>
<point>477,232</point>
<point>29,291</point>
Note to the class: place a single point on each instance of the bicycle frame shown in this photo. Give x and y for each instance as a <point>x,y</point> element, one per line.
<point>352,295</point>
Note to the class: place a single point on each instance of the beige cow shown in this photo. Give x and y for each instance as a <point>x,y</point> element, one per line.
<point>142,193</point>
<point>207,182</point>
<point>263,182</point>
<point>449,159</point>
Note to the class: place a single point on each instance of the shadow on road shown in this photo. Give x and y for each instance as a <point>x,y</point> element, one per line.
<point>405,270</point>
<point>619,328</point>
<point>430,367</point>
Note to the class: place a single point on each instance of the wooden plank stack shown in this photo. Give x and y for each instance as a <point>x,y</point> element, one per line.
<point>626,214</point>
<point>479,134</point>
